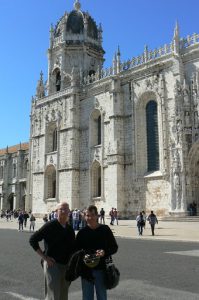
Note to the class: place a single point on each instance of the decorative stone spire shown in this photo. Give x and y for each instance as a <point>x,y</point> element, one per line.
<point>145,53</point>
<point>118,52</point>
<point>40,93</point>
<point>118,59</point>
<point>51,35</point>
<point>176,31</point>
<point>115,64</point>
<point>176,39</point>
<point>77,5</point>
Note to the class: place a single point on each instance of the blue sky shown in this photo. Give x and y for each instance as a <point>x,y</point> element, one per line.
<point>24,32</point>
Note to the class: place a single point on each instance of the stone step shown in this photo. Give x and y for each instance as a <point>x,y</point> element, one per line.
<point>180,219</point>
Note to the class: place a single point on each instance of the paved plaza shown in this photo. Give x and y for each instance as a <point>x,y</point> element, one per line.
<point>165,230</point>
<point>160,267</point>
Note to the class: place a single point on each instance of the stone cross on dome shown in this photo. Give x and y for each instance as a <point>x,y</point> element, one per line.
<point>77,5</point>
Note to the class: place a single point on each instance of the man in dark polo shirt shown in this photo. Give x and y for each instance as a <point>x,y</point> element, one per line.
<point>59,239</point>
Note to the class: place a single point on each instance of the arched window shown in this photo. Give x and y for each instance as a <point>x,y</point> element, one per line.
<point>25,170</point>
<point>58,81</point>
<point>96,180</point>
<point>99,130</point>
<point>50,182</point>
<point>1,172</point>
<point>152,136</point>
<point>99,183</point>
<point>51,137</point>
<point>95,129</point>
<point>10,202</point>
<point>14,170</point>
<point>55,140</point>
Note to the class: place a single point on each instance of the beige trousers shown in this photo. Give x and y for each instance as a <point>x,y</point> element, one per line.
<point>56,287</point>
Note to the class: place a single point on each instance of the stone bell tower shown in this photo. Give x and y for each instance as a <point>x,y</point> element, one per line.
<point>75,44</point>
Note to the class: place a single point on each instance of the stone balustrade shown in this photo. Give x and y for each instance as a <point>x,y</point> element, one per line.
<point>189,41</point>
<point>146,56</point>
<point>52,96</point>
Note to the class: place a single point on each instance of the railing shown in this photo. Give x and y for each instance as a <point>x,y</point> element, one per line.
<point>189,41</point>
<point>74,37</point>
<point>52,96</point>
<point>146,56</point>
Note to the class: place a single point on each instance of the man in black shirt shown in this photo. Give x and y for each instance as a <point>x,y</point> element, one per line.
<point>59,239</point>
<point>95,239</point>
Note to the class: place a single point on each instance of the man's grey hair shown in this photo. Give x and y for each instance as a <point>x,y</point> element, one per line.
<point>61,203</point>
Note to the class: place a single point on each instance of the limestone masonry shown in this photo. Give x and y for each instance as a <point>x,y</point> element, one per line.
<point>124,137</point>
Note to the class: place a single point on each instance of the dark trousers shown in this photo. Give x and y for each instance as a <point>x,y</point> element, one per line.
<point>102,219</point>
<point>20,225</point>
<point>152,228</point>
<point>140,229</point>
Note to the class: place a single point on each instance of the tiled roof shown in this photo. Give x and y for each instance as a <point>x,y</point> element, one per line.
<point>15,148</point>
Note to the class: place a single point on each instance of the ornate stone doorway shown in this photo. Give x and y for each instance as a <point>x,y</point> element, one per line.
<point>193,177</point>
<point>23,204</point>
<point>195,184</point>
<point>10,202</point>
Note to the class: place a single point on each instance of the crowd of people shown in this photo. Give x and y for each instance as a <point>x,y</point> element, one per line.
<point>77,217</point>
<point>21,216</point>
<point>10,214</point>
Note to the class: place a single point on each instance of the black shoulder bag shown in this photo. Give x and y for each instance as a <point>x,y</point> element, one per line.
<point>112,274</point>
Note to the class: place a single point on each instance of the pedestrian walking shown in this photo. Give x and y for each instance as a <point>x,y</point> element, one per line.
<point>76,219</point>
<point>111,214</point>
<point>25,216</point>
<point>32,222</point>
<point>59,239</point>
<point>140,223</point>
<point>20,221</point>
<point>102,216</point>
<point>98,241</point>
<point>152,221</point>
<point>144,217</point>
<point>82,218</point>
<point>115,214</point>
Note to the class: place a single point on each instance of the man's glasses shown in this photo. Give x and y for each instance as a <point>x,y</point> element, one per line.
<point>63,209</point>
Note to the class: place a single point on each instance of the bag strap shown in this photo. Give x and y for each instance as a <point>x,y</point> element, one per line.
<point>109,261</point>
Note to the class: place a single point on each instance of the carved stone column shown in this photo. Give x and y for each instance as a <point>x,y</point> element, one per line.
<point>1,202</point>
<point>14,201</point>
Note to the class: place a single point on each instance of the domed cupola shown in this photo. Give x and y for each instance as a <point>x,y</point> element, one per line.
<point>75,22</point>
<point>75,43</point>
<point>92,30</point>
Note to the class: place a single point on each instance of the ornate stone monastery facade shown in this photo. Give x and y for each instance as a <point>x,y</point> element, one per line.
<point>13,176</point>
<point>124,137</point>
